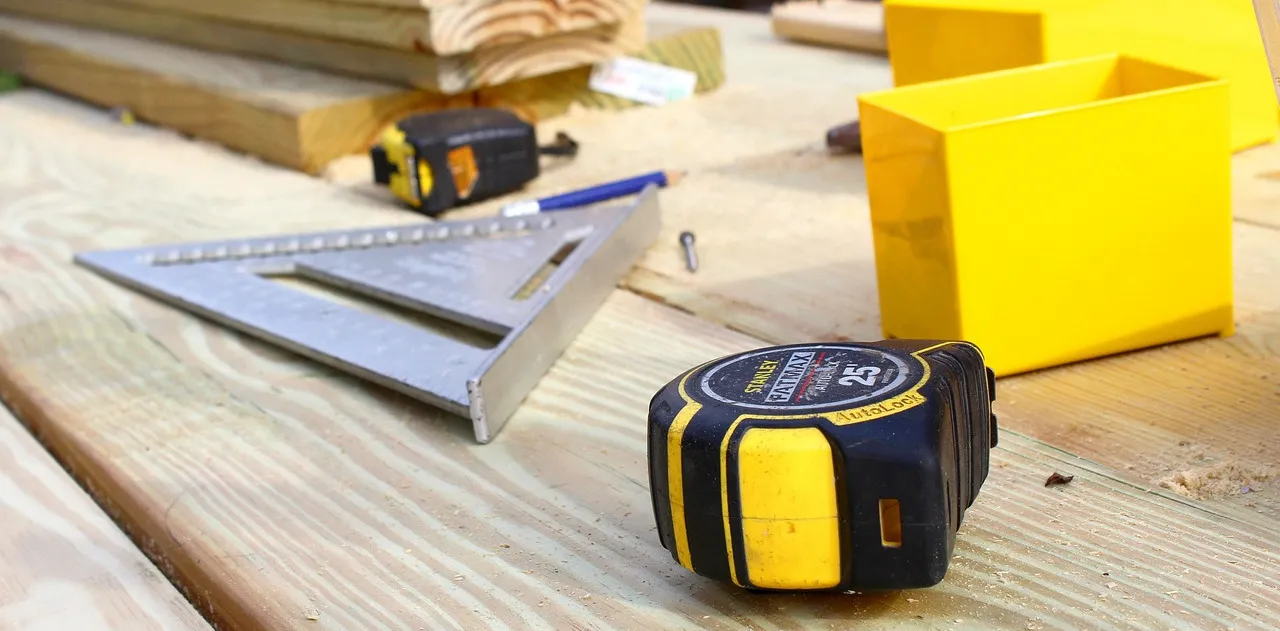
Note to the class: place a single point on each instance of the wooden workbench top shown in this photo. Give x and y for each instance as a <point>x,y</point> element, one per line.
<point>277,494</point>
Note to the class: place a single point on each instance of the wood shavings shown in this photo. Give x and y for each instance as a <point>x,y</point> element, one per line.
<point>1219,480</point>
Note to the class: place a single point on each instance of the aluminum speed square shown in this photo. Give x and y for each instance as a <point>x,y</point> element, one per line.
<point>467,279</point>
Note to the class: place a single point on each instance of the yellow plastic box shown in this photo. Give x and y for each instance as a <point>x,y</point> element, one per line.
<point>1052,213</point>
<point>941,39</point>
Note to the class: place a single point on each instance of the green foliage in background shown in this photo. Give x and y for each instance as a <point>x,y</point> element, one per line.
<point>8,81</point>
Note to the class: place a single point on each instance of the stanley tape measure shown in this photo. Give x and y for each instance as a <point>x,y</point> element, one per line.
<point>836,466</point>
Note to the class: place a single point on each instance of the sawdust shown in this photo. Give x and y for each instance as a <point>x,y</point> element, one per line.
<point>1217,481</point>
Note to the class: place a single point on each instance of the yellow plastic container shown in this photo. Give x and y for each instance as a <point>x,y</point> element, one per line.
<point>1052,213</point>
<point>941,39</point>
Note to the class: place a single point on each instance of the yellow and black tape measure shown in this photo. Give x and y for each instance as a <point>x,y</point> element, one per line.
<point>836,466</point>
<point>437,161</point>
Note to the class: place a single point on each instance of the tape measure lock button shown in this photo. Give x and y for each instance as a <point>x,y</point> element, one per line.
<point>829,467</point>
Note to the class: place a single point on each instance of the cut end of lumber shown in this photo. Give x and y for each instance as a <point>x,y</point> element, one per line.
<point>463,27</point>
<point>696,49</point>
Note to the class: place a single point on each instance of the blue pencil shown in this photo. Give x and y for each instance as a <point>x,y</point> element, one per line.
<point>592,195</point>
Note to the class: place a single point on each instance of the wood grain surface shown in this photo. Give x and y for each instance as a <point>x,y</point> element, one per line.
<point>442,28</point>
<point>282,114</point>
<point>65,564</point>
<point>279,494</point>
<point>282,495</point>
<point>449,74</point>
<point>696,49</point>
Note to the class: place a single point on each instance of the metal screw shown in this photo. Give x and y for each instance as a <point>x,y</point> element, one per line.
<point>690,257</point>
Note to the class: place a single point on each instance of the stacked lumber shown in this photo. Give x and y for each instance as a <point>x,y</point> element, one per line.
<point>302,82</point>
<point>446,46</point>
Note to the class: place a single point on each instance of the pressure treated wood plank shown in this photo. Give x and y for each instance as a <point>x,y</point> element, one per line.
<point>288,496</point>
<point>282,114</point>
<point>449,74</point>
<point>852,24</point>
<point>442,28</point>
<point>64,564</point>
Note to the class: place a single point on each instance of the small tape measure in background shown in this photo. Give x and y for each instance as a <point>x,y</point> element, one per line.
<point>835,466</point>
<point>437,161</point>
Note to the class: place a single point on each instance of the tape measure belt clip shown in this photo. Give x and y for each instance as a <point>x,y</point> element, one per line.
<point>822,466</point>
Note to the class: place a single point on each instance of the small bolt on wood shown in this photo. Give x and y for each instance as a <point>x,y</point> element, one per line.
<point>690,256</point>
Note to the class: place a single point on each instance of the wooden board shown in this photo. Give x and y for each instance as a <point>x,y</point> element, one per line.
<point>697,50</point>
<point>284,115</point>
<point>852,24</point>
<point>452,74</point>
<point>65,565</point>
<point>441,28</point>
<point>289,497</point>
